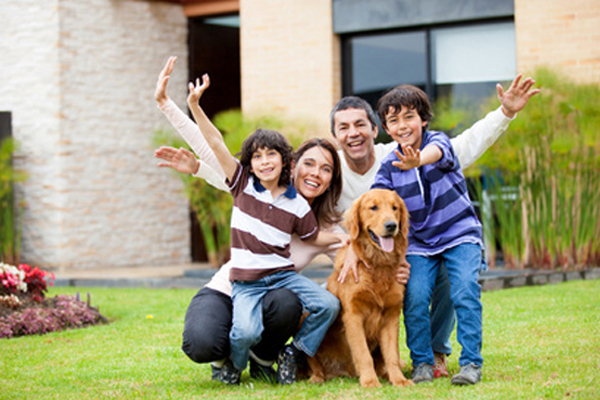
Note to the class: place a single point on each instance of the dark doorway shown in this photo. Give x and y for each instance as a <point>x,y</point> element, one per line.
<point>214,48</point>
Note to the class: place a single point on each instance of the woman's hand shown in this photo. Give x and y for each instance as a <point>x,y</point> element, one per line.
<point>350,264</point>
<point>181,160</point>
<point>160,93</point>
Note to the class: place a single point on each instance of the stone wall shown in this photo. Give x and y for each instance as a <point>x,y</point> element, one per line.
<point>560,34</point>
<point>79,79</point>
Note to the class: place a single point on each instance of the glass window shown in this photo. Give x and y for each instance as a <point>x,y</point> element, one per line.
<point>467,62</point>
<point>463,63</point>
<point>380,62</point>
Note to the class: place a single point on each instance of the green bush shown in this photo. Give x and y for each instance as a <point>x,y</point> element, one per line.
<point>10,233</point>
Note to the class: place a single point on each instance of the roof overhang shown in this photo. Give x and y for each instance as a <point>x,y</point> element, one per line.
<point>199,8</point>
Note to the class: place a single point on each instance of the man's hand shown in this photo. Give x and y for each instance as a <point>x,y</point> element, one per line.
<point>181,160</point>
<point>411,158</point>
<point>403,272</point>
<point>517,95</point>
<point>160,93</point>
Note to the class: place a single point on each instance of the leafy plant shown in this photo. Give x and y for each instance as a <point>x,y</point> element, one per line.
<point>213,206</point>
<point>10,234</point>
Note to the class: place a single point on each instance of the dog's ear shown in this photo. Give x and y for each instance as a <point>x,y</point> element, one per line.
<point>353,219</point>
<point>403,218</point>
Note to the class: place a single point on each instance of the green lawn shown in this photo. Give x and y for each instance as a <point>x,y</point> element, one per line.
<point>539,343</point>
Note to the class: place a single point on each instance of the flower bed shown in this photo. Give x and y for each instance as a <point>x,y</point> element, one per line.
<point>24,309</point>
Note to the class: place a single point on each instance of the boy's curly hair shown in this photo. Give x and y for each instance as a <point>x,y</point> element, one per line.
<point>269,139</point>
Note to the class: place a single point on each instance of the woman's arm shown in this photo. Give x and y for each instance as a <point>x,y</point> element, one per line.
<point>187,129</point>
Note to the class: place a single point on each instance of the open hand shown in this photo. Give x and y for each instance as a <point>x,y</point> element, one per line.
<point>411,158</point>
<point>181,160</point>
<point>160,93</point>
<point>198,89</point>
<point>517,95</point>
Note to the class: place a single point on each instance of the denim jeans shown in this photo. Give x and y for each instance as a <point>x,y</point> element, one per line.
<point>322,306</point>
<point>463,264</point>
<point>442,313</point>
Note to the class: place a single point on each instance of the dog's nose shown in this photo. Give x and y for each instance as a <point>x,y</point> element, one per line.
<point>390,226</point>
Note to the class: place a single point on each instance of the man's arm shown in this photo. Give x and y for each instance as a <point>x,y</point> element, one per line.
<point>473,142</point>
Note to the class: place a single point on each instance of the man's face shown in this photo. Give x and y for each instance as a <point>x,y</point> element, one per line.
<point>355,134</point>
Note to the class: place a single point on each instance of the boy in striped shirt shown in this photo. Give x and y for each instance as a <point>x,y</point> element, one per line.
<point>426,174</point>
<point>267,210</point>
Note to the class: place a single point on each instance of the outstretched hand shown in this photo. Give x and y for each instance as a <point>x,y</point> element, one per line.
<point>160,93</point>
<point>517,95</point>
<point>411,158</point>
<point>198,89</point>
<point>181,160</point>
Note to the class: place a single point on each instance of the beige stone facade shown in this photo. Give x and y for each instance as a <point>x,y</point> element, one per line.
<point>78,78</point>
<point>290,59</point>
<point>560,34</point>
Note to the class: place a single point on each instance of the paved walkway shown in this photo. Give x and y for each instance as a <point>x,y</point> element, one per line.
<point>196,275</point>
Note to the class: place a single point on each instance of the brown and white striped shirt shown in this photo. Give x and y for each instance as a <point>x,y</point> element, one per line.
<point>262,227</point>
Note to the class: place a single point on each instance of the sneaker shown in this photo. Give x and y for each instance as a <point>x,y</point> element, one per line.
<point>216,371</point>
<point>287,367</point>
<point>262,372</point>
<point>469,374</point>
<point>422,373</point>
<point>439,366</point>
<point>229,374</point>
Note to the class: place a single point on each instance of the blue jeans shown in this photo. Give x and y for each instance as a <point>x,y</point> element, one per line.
<point>442,313</point>
<point>463,263</point>
<point>322,306</point>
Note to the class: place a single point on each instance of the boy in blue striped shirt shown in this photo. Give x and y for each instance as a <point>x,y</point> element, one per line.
<point>425,172</point>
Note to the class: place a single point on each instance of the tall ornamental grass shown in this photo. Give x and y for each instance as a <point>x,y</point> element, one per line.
<point>539,185</point>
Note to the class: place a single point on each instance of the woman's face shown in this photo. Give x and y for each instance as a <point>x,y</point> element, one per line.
<point>313,173</point>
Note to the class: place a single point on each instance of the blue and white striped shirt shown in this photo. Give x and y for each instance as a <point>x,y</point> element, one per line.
<point>441,213</point>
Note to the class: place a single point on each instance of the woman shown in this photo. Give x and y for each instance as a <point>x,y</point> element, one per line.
<point>316,175</point>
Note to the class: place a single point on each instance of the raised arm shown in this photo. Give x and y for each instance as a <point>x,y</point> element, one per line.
<point>187,129</point>
<point>473,142</point>
<point>209,131</point>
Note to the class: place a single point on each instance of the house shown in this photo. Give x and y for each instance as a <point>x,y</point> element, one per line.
<point>78,78</point>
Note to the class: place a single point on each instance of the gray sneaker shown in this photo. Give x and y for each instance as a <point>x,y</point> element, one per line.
<point>469,374</point>
<point>422,373</point>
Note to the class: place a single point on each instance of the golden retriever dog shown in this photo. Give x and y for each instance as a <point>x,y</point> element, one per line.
<point>368,324</point>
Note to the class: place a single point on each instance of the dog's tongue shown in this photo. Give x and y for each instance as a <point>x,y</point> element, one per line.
<point>387,243</point>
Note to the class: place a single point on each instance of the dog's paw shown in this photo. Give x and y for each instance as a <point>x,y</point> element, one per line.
<point>370,382</point>
<point>402,382</point>
<point>317,379</point>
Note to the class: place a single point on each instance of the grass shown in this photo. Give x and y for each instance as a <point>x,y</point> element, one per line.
<point>539,343</point>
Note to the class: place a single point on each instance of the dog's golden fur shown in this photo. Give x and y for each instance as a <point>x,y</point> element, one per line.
<point>368,324</point>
